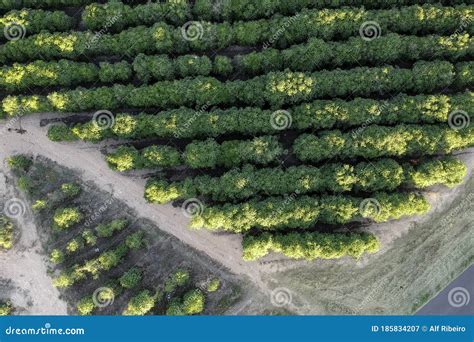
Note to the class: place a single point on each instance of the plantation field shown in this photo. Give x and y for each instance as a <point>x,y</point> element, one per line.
<point>279,139</point>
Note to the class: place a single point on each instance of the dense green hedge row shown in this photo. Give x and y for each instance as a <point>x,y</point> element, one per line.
<point>117,15</point>
<point>389,48</point>
<point>162,38</point>
<point>200,154</point>
<point>17,24</point>
<point>62,73</point>
<point>310,246</point>
<point>320,114</point>
<point>466,75</point>
<point>18,4</point>
<point>238,184</point>
<point>379,141</point>
<point>306,57</point>
<point>296,212</point>
<point>275,89</point>
<point>218,10</point>
<point>164,68</point>
<point>67,73</point>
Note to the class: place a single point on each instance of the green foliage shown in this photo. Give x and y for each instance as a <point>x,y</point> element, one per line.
<point>378,141</point>
<point>193,302</point>
<point>233,10</point>
<point>75,245</point>
<point>45,74</point>
<point>121,15</point>
<point>65,218</point>
<point>275,213</point>
<point>71,189</point>
<point>60,133</point>
<point>128,158</point>
<point>175,308</point>
<point>449,171</point>
<point>104,262</point>
<point>56,256</point>
<point>35,21</point>
<point>25,184</point>
<point>135,240</point>
<point>238,184</point>
<point>340,23</point>
<point>140,304</point>
<point>464,74</point>
<point>109,229</point>
<point>388,48</point>
<point>39,205</point>
<point>316,115</point>
<point>117,72</point>
<point>309,56</point>
<point>131,278</point>
<point>18,4</point>
<point>275,89</point>
<point>310,246</point>
<point>85,306</point>
<point>6,232</point>
<point>214,285</point>
<point>20,162</point>
<point>6,308</point>
<point>89,237</point>
<point>200,154</point>
<point>179,278</point>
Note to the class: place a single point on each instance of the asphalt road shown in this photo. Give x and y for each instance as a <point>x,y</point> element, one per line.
<point>456,299</point>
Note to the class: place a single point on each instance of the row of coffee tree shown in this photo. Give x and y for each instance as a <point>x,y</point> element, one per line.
<point>275,89</point>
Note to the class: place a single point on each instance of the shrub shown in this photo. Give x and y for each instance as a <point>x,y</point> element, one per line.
<point>131,278</point>
<point>20,162</point>
<point>310,246</point>
<point>193,302</point>
<point>378,141</point>
<point>214,285</point>
<point>25,184</point>
<point>75,245</point>
<point>274,89</point>
<point>65,218</point>
<point>238,184</point>
<point>89,237</point>
<point>109,229</point>
<point>179,278</point>
<point>56,256</point>
<point>275,213</point>
<point>85,306</point>
<point>175,308</point>
<point>6,233</point>
<point>320,114</point>
<point>60,133</point>
<point>6,308</point>
<point>135,240</point>
<point>140,304</point>
<point>39,205</point>
<point>70,189</point>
